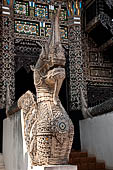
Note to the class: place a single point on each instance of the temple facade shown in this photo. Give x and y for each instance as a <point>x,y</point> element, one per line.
<point>86,29</point>
<point>97,40</point>
<point>25,28</point>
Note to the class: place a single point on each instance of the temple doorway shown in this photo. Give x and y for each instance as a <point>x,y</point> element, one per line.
<point>23,82</point>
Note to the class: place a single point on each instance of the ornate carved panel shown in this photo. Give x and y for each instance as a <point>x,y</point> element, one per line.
<point>93,56</point>
<point>75,66</point>
<point>99,94</point>
<point>26,53</point>
<point>97,72</point>
<point>41,11</point>
<point>21,8</point>
<point>1,62</point>
<point>26,27</point>
<point>8,60</point>
<point>101,72</point>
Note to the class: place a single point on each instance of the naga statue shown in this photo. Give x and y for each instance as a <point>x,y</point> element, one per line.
<point>48,130</point>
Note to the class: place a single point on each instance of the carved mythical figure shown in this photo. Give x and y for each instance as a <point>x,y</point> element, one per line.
<point>48,129</point>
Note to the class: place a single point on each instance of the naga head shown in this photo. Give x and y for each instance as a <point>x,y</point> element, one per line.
<point>49,69</point>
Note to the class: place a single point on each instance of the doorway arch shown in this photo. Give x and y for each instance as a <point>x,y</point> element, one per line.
<point>23,82</point>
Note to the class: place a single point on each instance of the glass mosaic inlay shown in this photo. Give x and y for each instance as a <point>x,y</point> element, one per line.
<point>41,11</point>
<point>63,14</point>
<point>64,32</point>
<point>27,27</point>
<point>21,8</point>
<point>47,29</point>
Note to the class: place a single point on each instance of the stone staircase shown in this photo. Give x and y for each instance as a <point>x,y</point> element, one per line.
<point>81,159</point>
<point>84,162</point>
<point>2,166</point>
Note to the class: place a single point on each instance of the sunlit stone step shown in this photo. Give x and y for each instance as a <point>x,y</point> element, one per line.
<point>2,167</point>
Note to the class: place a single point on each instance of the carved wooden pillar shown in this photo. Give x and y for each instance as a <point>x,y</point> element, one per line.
<point>0,52</point>
<point>75,64</point>
<point>7,56</point>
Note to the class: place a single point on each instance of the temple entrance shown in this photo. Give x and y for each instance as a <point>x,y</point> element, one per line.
<point>23,82</point>
<point>26,53</point>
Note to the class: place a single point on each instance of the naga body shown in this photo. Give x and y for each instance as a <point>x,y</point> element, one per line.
<point>48,129</point>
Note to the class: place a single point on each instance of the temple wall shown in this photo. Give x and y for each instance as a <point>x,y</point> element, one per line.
<point>15,155</point>
<point>97,137</point>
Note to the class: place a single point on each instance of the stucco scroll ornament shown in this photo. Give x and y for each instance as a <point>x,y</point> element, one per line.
<point>48,129</point>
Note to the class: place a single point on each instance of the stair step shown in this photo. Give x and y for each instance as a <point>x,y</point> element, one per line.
<point>78,154</point>
<point>100,166</point>
<point>91,166</point>
<point>83,166</point>
<point>84,162</point>
<point>1,158</point>
<point>74,161</point>
<point>91,159</point>
<point>1,163</point>
<point>2,166</point>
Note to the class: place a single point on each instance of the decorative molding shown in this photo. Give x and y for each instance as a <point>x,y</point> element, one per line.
<point>76,81</point>
<point>99,94</point>
<point>8,71</point>
<point>101,72</point>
